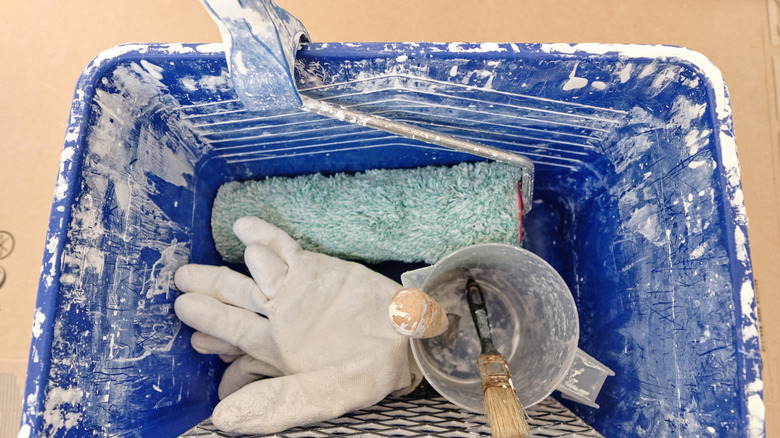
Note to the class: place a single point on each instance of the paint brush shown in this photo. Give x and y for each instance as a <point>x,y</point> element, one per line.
<point>504,411</point>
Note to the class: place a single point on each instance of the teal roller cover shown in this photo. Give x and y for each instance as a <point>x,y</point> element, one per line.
<point>408,215</point>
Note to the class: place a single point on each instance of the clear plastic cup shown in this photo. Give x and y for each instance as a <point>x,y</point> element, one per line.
<point>533,320</point>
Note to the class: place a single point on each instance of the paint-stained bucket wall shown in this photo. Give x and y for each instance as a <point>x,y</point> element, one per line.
<point>637,205</point>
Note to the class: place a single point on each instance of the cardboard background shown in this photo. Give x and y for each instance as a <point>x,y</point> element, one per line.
<point>46,44</point>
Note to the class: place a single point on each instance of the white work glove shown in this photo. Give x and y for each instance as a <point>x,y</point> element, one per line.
<point>308,336</point>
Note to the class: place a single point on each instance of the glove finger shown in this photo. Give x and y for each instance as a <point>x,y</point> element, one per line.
<point>229,358</point>
<point>251,230</point>
<point>266,268</point>
<point>207,344</point>
<point>222,283</point>
<point>242,328</point>
<point>244,370</point>
<point>271,405</point>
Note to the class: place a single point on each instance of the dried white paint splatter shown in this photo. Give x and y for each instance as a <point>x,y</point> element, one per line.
<point>38,321</point>
<point>61,409</point>
<point>574,82</point>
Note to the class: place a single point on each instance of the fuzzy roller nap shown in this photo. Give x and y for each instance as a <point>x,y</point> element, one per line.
<point>409,215</point>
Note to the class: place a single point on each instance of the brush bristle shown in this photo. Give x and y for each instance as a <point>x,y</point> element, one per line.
<point>504,411</point>
<point>505,414</point>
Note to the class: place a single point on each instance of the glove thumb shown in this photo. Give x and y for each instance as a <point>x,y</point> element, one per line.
<point>276,404</point>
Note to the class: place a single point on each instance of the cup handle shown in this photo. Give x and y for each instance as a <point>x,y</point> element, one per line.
<point>415,279</point>
<point>584,379</point>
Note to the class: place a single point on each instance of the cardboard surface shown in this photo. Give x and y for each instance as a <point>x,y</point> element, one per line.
<point>46,45</point>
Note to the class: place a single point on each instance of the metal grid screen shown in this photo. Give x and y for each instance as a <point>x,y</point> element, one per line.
<point>431,416</point>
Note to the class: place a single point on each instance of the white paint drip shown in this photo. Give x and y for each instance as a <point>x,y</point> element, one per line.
<point>741,240</point>
<point>666,77</point>
<point>696,164</point>
<point>647,71</point>
<point>51,248</point>
<point>757,412</point>
<point>66,157</point>
<point>699,251</point>
<point>238,63</point>
<point>189,83</point>
<point>628,149</point>
<point>574,82</point>
<point>696,140</point>
<point>25,431</point>
<point>685,113</point>
<point>151,69</point>
<point>747,297</point>
<point>210,48</point>
<point>482,48</point>
<point>216,83</point>
<point>38,321</point>
<point>60,411</point>
<point>165,267</point>
<point>625,73</point>
<point>644,221</point>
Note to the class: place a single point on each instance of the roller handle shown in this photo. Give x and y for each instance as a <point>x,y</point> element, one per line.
<point>415,314</point>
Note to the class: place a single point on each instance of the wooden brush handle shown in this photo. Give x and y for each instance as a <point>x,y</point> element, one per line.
<point>414,314</point>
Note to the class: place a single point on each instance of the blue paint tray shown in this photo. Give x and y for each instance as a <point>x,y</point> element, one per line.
<point>637,204</point>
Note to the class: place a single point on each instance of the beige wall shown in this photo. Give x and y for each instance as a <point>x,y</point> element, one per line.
<point>44,45</point>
